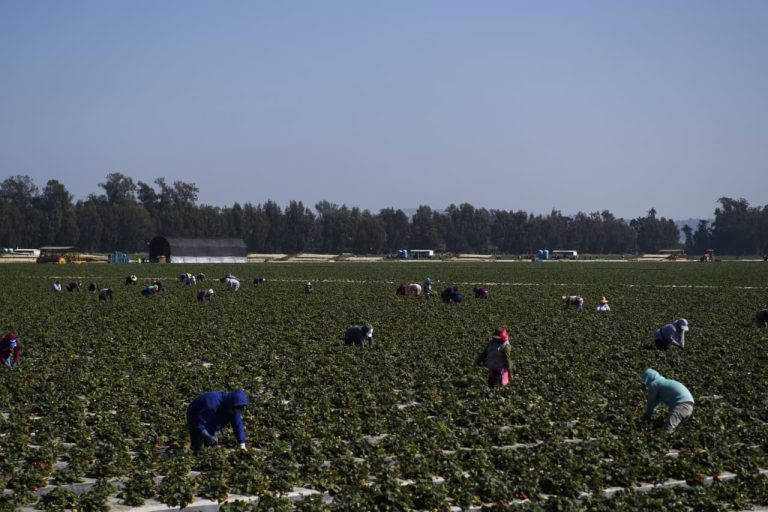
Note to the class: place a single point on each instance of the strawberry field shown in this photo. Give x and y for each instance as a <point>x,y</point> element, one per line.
<point>95,416</point>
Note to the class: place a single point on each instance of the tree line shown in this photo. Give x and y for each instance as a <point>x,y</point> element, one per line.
<point>127,214</point>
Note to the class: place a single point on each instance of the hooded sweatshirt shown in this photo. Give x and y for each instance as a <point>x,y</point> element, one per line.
<point>210,411</point>
<point>664,390</point>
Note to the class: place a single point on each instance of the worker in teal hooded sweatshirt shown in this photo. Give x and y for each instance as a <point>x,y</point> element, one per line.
<point>209,412</point>
<point>672,393</point>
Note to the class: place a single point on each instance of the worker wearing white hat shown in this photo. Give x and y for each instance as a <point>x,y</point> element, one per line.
<point>671,334</point>
<point>603,305</point>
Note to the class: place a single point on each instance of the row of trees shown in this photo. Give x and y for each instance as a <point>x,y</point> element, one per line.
<point>127,214</point>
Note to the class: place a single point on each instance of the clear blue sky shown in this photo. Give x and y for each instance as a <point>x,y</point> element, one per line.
<point>532,105</point>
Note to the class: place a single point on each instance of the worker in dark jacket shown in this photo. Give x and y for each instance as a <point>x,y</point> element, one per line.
<point>205,295</point>
<point>358,333</point>
<point>497,358</point>
<point>452,294</point>
<point>761,318</point>
<point>672,393</point>
<point>150,290</point>
<point>10,350</point>
<point>671,335</point>
<point>481,293</point>
<point>210,412</point>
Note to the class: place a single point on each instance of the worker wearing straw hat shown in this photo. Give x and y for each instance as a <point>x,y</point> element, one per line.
<point>603,305</point>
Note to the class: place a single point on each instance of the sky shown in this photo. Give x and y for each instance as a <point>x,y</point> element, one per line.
<point>516,105</point>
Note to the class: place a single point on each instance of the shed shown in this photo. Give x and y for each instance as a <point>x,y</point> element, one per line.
<point>197,250</point>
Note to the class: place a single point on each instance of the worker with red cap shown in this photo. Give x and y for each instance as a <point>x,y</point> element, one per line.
<point>497,358</point>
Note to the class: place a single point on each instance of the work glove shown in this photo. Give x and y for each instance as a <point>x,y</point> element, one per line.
<point>209,439</point>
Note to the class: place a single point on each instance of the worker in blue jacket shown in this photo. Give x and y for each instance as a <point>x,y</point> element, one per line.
<point>672,393</point>
<point>210,412</point>
<point>671,335</point>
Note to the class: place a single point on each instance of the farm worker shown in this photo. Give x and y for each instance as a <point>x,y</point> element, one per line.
<point>671,334</point>
<point>452,295</point>
<point>414,288</point>
<point>150,289</point>
<point>574,300</point>
<point>231,281</point>
<point>481,293</point>
<point>57,286</point>
<point>209,412</point>
<point>10,350</point>
<point>672,393</point>
<point>401,290</point>
<point>105,293</point>
<point>497,358</point>
<point>761,318</point>
<point>308,288</point>
<point>205,295</point>
<point>131,279</point>
<point>358,333</point>
<point>603,305</point>
<point>428,288</point>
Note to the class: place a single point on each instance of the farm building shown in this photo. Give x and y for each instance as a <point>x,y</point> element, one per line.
<point>197,250</point>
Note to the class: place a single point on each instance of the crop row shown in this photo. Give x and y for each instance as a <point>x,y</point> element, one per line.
<point>103,386</point>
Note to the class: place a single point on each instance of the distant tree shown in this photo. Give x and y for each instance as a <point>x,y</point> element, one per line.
<point>620,238</point>
<point>90,224</point>
<point>702,237</point>
<point>688,231</point>
<point>299,225</point>
<point>736,228</point>
<point>333,228</point>
<point>10,221</point>
<point>255,227</point>
<point>465,228</point>
<point>19,191</point>
<point>235,221</point>
<point>275,221</point>
<point>655,234</point>
<point>424,230</point>
<point>370,235</point>
<point>397,229</point>
<point>19,195</point>
<point>119,188</point>
<point>60,223</point>
<point>509,231</point>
